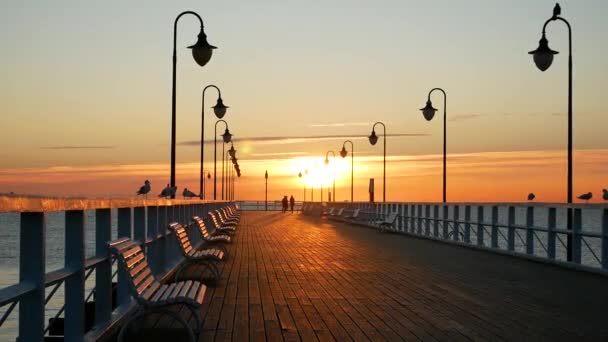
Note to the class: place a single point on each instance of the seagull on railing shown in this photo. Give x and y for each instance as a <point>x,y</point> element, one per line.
<point>144,189</point>
<point>166,192</point>
<point>531,196</point>
<point>188,194</point>
<point>605,194</point>
<point>586,197</point>
<point>172,191</point>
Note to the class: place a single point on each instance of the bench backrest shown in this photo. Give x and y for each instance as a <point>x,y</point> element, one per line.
<point>182,238</point>
<point>355,213</point>
<point>391,218</point>
<point>331,211</point>
<point>339,213</point>
<point>214,219</point>
<point>131,259</point>
<point>201,227</point>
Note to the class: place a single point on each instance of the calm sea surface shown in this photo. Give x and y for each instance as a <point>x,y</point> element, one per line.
<point>9,248</point>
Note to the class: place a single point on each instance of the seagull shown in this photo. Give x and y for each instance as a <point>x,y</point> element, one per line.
<point>586,197</point>
<point>188,194</point>
<point>144,189</point>
<point>166,192</point>
<point>605,195</point>
<point>531,196</point>
<point>172,191</point>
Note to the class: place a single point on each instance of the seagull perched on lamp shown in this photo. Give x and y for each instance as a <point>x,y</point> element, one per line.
<point>144,189</point>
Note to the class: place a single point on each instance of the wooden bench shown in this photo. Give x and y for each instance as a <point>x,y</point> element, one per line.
<point>386,223</point>
<point>219,226</point>
<point>232,212</point>
<point>150,294</point>
<point>215,239</point>
<point>208,257</point>
<point>224,219</point>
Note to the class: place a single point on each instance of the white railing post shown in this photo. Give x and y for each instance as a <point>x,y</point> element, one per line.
<point>124,230</point>
<point>420,220</point>
<point>467,223</point>
<point>427,221</point>
<point>445,222</point>
<point>436,221</point>
<point>74,285</point>
<point>400,220</point>
<point>551,234</point>
<point>32,270</point>
<point>456,215</point>
<point>406,220</point>
<point>412,218</point>
<point>511,228</point>
<point>480,226</point>
<point>103,271</point>
<point>576,236</point>
<point>530,230</point>
<point>494,237</point>
<point>605,239</point>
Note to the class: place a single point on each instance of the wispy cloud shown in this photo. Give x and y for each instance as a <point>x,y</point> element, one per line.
<point>464,117</point>
<point>298,139</point>
<point>77,147</point>
<point>278,154</point>
<point>342,124</point>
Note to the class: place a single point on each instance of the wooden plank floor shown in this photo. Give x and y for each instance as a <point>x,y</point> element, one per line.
<point>291,278</point>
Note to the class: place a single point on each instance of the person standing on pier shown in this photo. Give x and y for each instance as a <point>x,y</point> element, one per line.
<point>292,203</point>
<point>284,202</point>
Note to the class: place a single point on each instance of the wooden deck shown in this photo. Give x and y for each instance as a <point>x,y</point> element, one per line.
<point>294,278</point>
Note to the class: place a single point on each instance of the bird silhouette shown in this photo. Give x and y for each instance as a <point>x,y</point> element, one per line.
<point>144,189</point>
<point>188,194</point>
<point>166,192</point>
<point>605,194</point>
<point>172,191</point>
<point>586,197</point>
<point>531,196</point>
<point>557,10</point>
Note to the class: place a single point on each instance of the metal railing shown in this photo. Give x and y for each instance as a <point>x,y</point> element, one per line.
<point>261,205</point>
<point>143,220</point>
<point>536,231</point>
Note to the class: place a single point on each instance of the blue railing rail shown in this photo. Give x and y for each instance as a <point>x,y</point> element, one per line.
<point>536,231</point>
<point>142,220</point>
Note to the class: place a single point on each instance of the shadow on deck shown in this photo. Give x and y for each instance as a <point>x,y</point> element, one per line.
<point>291,277</point>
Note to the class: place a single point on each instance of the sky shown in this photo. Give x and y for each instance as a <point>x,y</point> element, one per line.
<point>85,96</point>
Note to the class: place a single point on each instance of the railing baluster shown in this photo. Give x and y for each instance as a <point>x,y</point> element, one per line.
<point>412,218</point>
<point>400,220</point>
<point>406,221</point>
<point>480,226</point>
<point>427,221</point>
<point>151,232</point>
<point>74,285</point>
<point>494,236</point>
<point>139,224</point>
<point>576,236</point>
<point>162,248</point>
<point>456,214</point>
<point>420,221</point>
<point>551,234</point>
<point>467,224</point>
<point>32,270</point>
<point>530,230</point>
<point>436,221</point>
<point>103,271</point>
<point>124,230</point>
<point>511,228</point>
<point>446,232</point>
<point>605,239</point>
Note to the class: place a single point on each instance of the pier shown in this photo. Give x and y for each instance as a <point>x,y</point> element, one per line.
<point>304,276</point>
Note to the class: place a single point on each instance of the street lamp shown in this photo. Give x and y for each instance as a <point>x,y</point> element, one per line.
<point>429,112</point>
<point>201,52</point>
<point>334,174</point>
<point>266,191</point>
<point>343,154</point>
<point>373,139</point>
<point>219,110</point>
<point>227,137</point>
<point>543,57</point>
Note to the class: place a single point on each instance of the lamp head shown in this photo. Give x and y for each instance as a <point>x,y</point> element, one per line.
<point>543,55</point>
<point>300,174</point>
<point>208,175</point>
<point>428,111</point>
<point>266,174</point>
<point>373,138</point>
<point>232,151</point>
<point>343,152</point>
<point>220,109</point>
<point>227,136</point>
<point>326,161</point>
<point>202,50</point>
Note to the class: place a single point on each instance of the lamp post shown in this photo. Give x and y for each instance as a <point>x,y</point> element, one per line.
<point>334,174</point>
<point>343,154</point>
<point>266,191</point>
<point>220,110</point>
<point>300,175</point>
<point>373,139</point>
<point>429,112</point>
<point>543,57</point>
<point>201,52</point>
<point>227,137</point>
<point>202,194</point>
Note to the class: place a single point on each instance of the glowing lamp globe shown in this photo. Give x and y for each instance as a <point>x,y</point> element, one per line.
<point>543,55</point>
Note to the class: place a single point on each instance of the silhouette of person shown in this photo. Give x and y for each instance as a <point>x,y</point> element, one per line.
<point>284,201</point>
<point>292,202</point>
